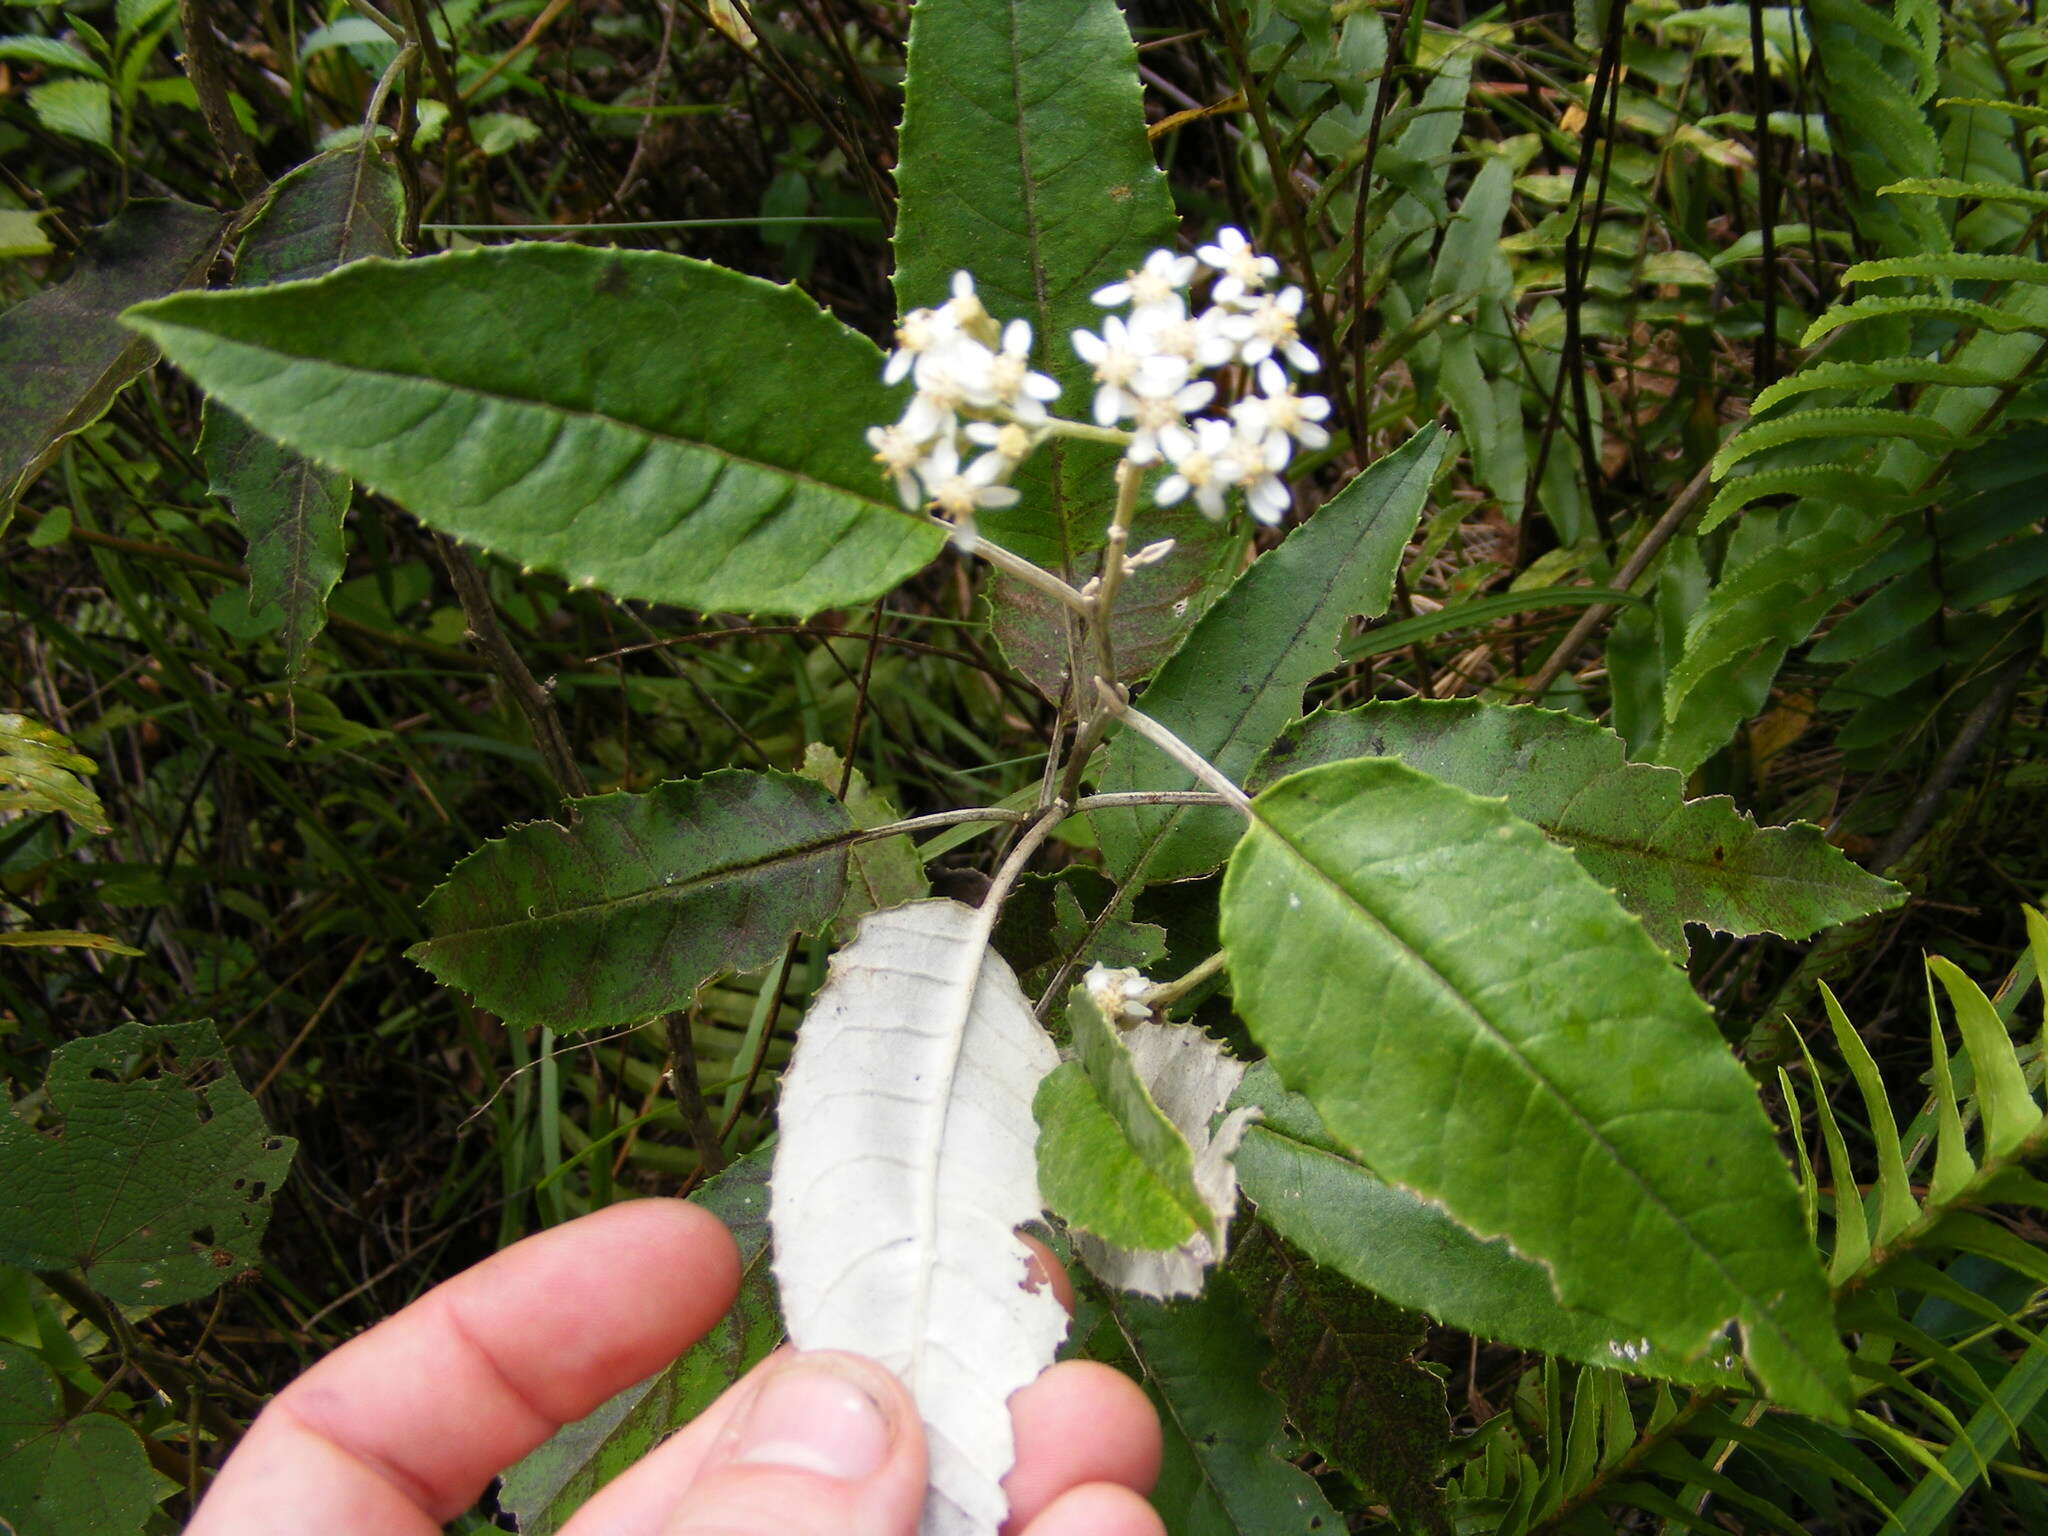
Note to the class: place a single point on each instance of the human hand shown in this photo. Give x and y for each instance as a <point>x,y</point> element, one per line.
<point>400,1430</point>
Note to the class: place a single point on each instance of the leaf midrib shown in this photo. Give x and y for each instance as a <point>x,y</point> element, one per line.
<point>697,882</point>
<point>502,397</point>
<point>1759,1315</point>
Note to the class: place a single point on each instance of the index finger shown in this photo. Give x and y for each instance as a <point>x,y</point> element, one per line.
<point>400,1430</point>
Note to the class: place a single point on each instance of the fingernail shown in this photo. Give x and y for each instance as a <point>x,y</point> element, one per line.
<point>816,1419</point>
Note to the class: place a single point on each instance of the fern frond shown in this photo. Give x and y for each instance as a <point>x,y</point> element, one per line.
<point>2019,112</point>
<point>1952,266</point>
<point>1975,191</point>
<point>1930,306</point>
<point>1885,373</point>
<point>1831,422</point>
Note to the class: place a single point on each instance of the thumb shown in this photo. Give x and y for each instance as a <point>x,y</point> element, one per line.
<point>828,1444</point>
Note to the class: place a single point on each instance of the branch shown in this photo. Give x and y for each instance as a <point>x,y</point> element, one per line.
<point>533,700</point>
<point>203,67</point>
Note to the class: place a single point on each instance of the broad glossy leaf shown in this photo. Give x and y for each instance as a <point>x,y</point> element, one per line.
<point>1669,860</point>
<point>65,1476</point>
<point>334,209</point>
<point>149,1172</point>
<point>1225,1471</point>
<point>626,911</point>
<point>694,437</point>
<point>1407,1249</point>
<point>903,1168</point>
<point>1476,1017</point>
<point>64,354</point>
<point>1342,1362</point>
<point>1265,639</point>
<point>1155,605</point>
<point>40,772</point>
<point>553,1482</point>
<point>1024,160</point>
<point>883,873</point>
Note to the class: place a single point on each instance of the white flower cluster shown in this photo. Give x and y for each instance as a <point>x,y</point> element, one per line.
<point>979,410</point>
<point>975,389</point>
<point>1147,368</point>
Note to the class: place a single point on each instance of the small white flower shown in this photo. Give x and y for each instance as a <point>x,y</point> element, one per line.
<point>1266,494</point>
<point>1205,340</point>
<point>1117,992</point>
<point>956,493</point>
<point>899,454</point>
<point>944,377</point>
<point>1279,418</point>
<point>1158,282</point>
<point>1244,270</point>
<point>1207,467</point>
<point>1007,441</point>
<point>923,331</point>
<point>1124,368</point>
<point>1271,327</point>
<point>1003,380</point>
<point>965,308</point>
<point>1162,421</point>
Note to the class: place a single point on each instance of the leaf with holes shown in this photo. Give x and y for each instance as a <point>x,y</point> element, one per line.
<point>1227,1468</point>
<point>64,354</point>
<point>145,1166</point>
<point>695,437</point>
<point>1670,860</point>
<point>543,1490</point>
<point>1482,1023</point>
<point>1343,1363</point>
<point>1025,161</point>
<point>627,910</point>
<point>334,209</point>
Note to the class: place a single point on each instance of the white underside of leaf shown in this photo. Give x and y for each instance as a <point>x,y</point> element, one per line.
<point>1190,1077</point>
<point>905,1165</point>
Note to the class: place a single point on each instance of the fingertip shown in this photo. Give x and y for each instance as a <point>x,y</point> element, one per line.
<point>1082,1422</point>
<point>1098,1509</point>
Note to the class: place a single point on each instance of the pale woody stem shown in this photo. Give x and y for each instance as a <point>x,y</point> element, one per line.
<point>1031,575</point>
<point>1059,426</point>
<point>1176,749</point>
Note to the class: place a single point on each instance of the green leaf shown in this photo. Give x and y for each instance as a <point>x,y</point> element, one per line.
<point>337,208</point>
<point>1979,191</point>
<point>1270,635</point>
<point>1224,1471</point>
<point>553,1482</point>
<point>1109,1160</point>
<point>1669,860</point>
<point>50,53</point>
<point>1829,482</point>
<point>1482,1022</point>
<point>1951,266</point>
<point>1090,1174</point>
<point>65,1476</point>
<point>2003,1097</point>
<point>1024,161</point>
<point>40,772</point>
<point>883,873</point>
<point>1155,605</point>
<point>1342,1363</point>
<point>65,356</point>
<point>695,437</point>
<point>150,1171</point>
<point>79,109</point>
<point>627,910</point>
<point>1407,1249</point>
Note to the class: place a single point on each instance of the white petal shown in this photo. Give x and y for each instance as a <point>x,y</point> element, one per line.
<point>1171,489</point>
<point>1089,347</point>
<point>1017,338</point>
<point>1114,294</point>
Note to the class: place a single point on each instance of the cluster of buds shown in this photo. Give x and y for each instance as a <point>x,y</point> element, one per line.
<point>979,409</point>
